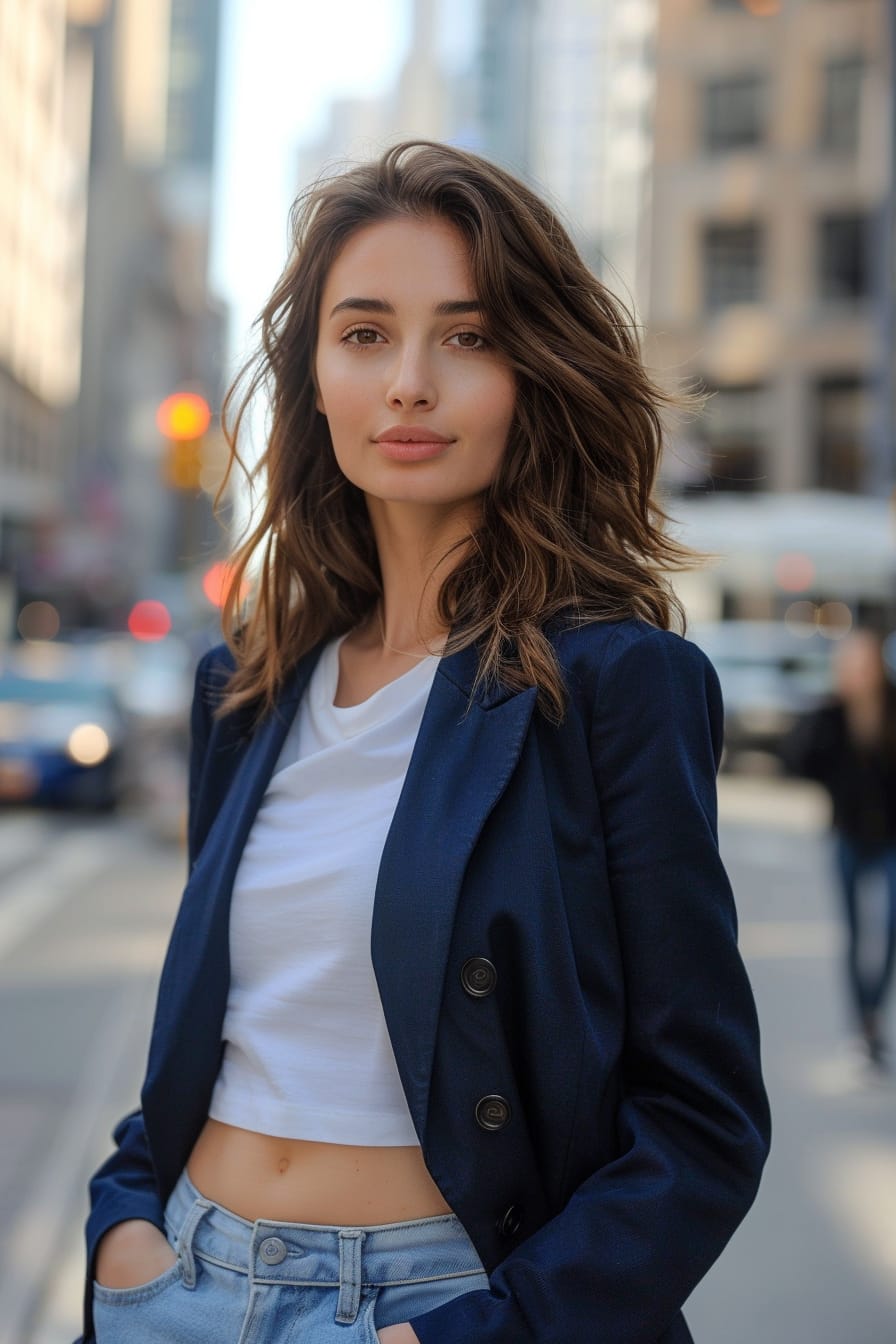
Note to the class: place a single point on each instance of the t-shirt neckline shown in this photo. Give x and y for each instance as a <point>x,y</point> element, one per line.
<point>385,702</point>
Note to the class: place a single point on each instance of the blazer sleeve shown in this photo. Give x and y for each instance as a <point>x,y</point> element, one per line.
<point>125,1186</point>
<point>619,1261</point>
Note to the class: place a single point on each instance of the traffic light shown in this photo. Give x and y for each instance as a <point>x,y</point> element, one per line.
<point>183,419</point>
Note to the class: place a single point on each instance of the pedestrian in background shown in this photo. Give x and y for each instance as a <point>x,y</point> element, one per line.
<point>453,1040</point>
<point>849,746</point>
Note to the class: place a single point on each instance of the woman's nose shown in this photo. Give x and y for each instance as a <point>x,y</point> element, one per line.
<point>412,382</point>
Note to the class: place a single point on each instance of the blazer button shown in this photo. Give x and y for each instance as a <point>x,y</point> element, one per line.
<point>510,1222</point>
<point>492,1112</point>
<point>478,977</point>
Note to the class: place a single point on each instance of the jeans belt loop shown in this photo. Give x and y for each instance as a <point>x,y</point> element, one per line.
<point>184,1241</point>
<point>351,1240</point>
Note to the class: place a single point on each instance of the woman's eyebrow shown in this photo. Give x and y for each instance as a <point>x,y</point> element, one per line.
<point>450,308</point>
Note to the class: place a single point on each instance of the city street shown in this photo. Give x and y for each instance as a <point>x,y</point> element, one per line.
<point>85,906</point>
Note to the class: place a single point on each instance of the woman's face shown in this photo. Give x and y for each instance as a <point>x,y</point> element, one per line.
<point>419,404</point>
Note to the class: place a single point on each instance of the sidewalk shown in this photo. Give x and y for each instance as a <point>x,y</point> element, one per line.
<point>77,990</point>
<point>781,804</point>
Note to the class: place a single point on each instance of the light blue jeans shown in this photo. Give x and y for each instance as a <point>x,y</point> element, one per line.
<point>237,1282</point>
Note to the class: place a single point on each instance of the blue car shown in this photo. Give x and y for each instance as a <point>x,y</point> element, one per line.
<point>61,742</point>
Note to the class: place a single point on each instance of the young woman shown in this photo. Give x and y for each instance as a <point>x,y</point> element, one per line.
<point>453,1042</point>
<point>849,746</point>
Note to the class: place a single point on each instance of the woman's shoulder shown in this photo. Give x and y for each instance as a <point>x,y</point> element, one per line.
<point>213,670</point>
<point>631,668</point>
<point>597,648</point>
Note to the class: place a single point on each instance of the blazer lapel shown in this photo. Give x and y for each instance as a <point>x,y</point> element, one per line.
<point>195,980</point>
<point>460,765</point>
<point>223,846</point>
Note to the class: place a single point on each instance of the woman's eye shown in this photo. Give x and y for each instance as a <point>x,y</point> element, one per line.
<point>361,336</point>
<point>470,340</point>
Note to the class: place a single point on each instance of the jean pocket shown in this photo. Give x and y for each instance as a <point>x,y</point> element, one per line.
<point>140,1292</point>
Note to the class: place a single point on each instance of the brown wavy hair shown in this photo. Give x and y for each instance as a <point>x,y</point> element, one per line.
<point>569,527</point>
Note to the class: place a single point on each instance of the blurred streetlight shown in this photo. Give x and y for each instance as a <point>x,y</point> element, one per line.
<point>183,419</point>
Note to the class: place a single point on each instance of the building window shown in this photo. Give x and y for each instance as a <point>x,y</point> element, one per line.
<point>731,264</point>
<point>732,113</point>
<point>842,409</point>
<point>843,257</point>
<point>841,105</point>
<point>734,431</point>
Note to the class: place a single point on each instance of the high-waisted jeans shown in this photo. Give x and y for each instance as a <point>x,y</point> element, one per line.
<point>238,1282</point>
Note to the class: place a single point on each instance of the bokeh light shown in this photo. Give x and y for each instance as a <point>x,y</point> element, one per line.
<point>800,619</point>
<point>149,620</point>
<point>216,581</point>
<point>794,572</point>
<point>834,620</point>
<point>38,620</point>
<point>183,416</point>
<point>88,744</point>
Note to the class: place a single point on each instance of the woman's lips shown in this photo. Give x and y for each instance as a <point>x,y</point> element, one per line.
<point>410,450</point>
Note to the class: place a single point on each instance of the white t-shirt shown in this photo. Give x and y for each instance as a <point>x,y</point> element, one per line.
<point>306,1050</point>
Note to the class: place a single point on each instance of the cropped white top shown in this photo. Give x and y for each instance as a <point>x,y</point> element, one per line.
<point>306,1050</point>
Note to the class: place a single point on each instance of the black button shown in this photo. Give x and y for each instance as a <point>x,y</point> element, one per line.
<point>478,977</point>
<point>510,1222</point>
<point>492,1112</point>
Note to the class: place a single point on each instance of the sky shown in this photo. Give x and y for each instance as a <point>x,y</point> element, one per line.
<point>281,62</point>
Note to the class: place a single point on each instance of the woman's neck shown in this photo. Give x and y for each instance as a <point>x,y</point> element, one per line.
<point>416,555</point>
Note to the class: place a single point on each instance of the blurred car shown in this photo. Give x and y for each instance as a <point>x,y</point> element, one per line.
<point>153,682</point>
<point>61,741</point>
<point>771,675</point>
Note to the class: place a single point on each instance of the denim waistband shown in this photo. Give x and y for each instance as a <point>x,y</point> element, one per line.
<point>315,1255</point>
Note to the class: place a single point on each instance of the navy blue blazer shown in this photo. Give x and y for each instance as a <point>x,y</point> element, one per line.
<point>582,862</point>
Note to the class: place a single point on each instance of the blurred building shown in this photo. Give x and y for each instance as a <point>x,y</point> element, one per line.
<point>590,145</point>
<point>151,327</point>
<point>558,93</point>
<point>564,100</point>
<point>433,98</point>
<point>505,66</point>
<point>772,179</point>
<point>45,81</point>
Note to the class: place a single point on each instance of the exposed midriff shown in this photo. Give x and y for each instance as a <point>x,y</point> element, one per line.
<point>304,1181</point>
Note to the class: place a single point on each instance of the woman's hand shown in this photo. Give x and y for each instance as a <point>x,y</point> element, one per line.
<point>397,1334</point>
<point>132,1253</point>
